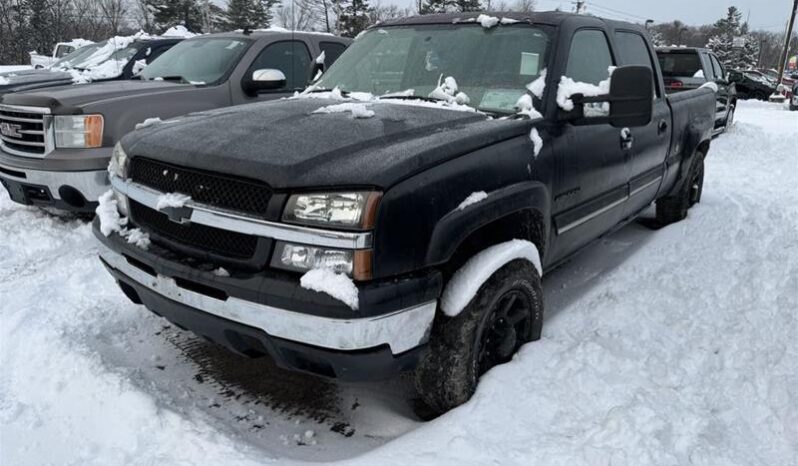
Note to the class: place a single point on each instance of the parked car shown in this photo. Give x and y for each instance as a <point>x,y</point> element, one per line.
<point>685,68</point>
<point>766,77</point>
<point>376,223</point>
<point>751,86</point>
<point>56,143</point>
<point>60,50</point>
<point>104,61</point>
<point>794,97</point>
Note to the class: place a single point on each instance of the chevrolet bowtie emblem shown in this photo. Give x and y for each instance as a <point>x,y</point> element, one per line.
<point>181,215</point>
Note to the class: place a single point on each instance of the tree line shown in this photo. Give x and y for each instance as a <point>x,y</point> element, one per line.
<point>28,25</point>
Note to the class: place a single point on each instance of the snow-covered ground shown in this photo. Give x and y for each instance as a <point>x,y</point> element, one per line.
<point>669,347</point>
<point>10,68</point>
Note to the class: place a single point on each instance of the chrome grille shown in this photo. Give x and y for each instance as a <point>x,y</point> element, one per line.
<point>23,130</point>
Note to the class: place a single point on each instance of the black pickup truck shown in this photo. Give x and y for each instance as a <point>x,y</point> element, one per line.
<point>55,143</point>
<point>401,213</point>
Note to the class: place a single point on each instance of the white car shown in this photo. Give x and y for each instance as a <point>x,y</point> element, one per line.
<point>60,50</point>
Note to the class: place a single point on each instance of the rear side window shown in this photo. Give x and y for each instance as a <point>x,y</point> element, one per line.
<point>633,50</point>
<point>291,57</point>
<point>332,50</point>
<point>589,58</point>
<point>679,64</point>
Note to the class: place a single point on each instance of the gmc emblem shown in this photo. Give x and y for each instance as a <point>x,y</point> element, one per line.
<point>9,130</point>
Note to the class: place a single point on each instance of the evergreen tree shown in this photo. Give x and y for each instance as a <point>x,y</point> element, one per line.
<point>443,6</point>
<point>743,54</point>
<point>168,13</point>
<point>252,14</point>
<point>354,17</point>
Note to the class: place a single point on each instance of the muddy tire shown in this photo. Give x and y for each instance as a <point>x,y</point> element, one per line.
<point>672,209</point>
<point>506,312</point>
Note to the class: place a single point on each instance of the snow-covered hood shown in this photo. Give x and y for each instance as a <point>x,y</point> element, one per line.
<point>16,81</point>
<point>287,145</point>
<point>103,94</point>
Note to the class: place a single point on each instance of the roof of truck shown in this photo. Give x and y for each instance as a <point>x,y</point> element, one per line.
<point>271,32</point>
<point>553,18</point>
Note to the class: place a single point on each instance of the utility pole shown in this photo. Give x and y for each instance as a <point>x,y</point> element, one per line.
<point>783,59</point>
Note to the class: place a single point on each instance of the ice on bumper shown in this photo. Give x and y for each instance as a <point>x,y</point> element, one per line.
<point>112,222</point>
<point>337,285</point>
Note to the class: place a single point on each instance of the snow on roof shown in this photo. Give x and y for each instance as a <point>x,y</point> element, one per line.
<point>78,43</point>
<point>178,31</point>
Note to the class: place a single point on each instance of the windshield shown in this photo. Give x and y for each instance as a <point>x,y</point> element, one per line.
<point>491,66</point>
<point>199,61</point>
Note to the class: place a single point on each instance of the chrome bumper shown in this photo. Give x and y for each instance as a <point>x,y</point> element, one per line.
<point>92,184</point>
<point>402,330</point>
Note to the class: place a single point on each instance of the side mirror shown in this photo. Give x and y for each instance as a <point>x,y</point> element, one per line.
<point>263,80</point>
<point>631,96</point>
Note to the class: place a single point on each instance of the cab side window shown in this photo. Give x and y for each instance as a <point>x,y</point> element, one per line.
<point>717,68</point>
<point>633,50</point>
<point>709,74</point>
<point>332,50</point>
<point>590,57</point>
<point>291,57</point>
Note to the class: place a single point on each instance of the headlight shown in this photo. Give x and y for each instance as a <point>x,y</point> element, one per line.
<point>78,131</point>
<point>118,164</point>
<point>301,258</point>
<point>348,210</point>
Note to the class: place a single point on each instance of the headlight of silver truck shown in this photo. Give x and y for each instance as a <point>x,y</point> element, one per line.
<point>78,131</point>
<point>355,210</point>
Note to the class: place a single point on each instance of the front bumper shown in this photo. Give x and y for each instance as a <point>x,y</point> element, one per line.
<point>311,333</point>
<point>64,182</point>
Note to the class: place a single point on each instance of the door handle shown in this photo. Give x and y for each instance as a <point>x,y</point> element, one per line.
<point>662,127</point>
<point>626,139</point>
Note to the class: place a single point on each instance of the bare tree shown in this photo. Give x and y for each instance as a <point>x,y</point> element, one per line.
<point>114,12</point>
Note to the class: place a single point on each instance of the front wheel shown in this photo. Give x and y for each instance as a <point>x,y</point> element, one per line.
<point>506,313</point>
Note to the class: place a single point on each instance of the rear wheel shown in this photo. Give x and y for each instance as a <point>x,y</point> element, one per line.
<point>506,313</point>
<point>729,118</point>
<point>672,209</point>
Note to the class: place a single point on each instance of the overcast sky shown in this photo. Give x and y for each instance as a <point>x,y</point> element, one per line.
<point>764,14</point>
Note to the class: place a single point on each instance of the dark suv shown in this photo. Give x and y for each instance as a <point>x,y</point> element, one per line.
<point>751,86</point>
<point>686,68</point>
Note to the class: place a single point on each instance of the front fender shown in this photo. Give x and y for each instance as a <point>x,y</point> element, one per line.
<point>459,224</point>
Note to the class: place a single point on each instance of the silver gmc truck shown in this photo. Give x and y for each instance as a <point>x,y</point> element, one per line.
<point>55,143</point>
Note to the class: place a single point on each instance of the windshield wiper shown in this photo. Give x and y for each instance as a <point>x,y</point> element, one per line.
<point>176,77</point>
<point>412,97</point>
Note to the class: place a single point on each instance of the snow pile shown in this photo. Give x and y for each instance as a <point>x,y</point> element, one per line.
<point>472,199</point>
<point>537,86</point>
<point>357,110</point>
<point>221,272</point>
<point>447,91</point>
<point>320,58</point>
<point>487,22</point>
<point>149,122</point>
<point>537,141</point>
<point>337,285</point>
<point>509,21</point>
<point>699,74</point>
<point>174,200</point>
<point>525,107</point>
<point>710,85</point>
<point>465,283</point>
<point>569,87</point>
<point>138,66</point>
<point>112,222</point>
<point>178,31</point>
